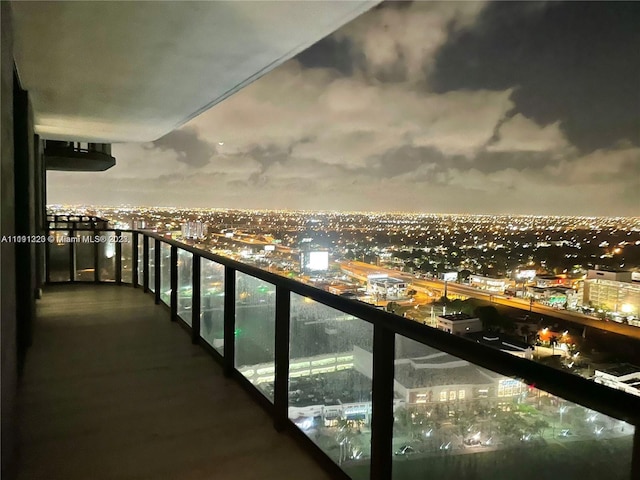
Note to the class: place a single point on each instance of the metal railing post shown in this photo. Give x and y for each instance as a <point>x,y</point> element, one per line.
<point>174,283</point>
<point>96,258</point>
<point>229,320</point>
<point>118,266</point>
<point>195,299</point>
<point>157,269</point>
<point>281,390</point>
<point>145,266</point>
<point>47,259</point>
<point>72,257</point>
<point>382,403</point>
<point>134,259</point>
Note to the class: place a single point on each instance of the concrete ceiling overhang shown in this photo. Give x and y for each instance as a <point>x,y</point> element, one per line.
<point>134,71</point>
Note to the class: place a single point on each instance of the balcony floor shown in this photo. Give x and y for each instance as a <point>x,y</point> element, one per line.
<point>113,390</point>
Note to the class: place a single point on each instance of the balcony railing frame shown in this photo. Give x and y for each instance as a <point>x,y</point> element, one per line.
<point>581,391</point>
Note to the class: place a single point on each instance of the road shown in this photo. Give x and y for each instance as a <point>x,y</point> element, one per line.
<point>360,270</point>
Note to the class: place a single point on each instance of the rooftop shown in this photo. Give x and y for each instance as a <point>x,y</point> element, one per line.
<point>498,340</point>
<point>454,317</point>
<point>620,370</point>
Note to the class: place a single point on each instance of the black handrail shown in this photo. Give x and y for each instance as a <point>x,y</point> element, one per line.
<point>601,398</point>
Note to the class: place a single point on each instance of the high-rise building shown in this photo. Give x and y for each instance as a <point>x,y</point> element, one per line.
<point>195,230</point>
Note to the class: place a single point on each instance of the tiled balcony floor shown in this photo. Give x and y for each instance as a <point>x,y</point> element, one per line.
<point>113,390</point>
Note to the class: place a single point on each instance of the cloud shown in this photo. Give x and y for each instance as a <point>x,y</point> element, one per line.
<point>573,63</point>
<point>519,133</point>
<point>191,150</point>
<point>392,113</point>
<point>395,44</point>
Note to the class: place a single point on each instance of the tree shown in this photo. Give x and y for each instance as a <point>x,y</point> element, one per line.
<point>463,275</point>
<point>489,317</point>
<point>538,426</point>
<point>462,420</point>
<point>525,331</point>
<point>511,425</point>
<point>392,307</point>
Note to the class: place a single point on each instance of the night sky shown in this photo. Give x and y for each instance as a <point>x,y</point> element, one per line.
<point>457,107</point>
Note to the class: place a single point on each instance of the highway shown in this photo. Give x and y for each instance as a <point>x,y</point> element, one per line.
<point>360,270</point>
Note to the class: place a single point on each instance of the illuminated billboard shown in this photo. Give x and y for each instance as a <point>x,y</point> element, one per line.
<point>269,248</point>
<point>450,276</point>
<point>317,261</point>
<point>314,261</point>
<point>526,274</point>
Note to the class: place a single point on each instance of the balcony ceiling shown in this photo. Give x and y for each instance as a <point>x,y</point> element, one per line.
<point>134,71</point>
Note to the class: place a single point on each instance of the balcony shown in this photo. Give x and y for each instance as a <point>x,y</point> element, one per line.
<point>112,389</point>
<point>75,156</point>
<point>366,393</point>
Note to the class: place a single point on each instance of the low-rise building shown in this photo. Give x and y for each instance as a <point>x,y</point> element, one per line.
<point>458,323</point>
<point>491,284</point>
<point>545,281</point>
<point>506,343</point>
<point>623,377</point>
<point>386,287</point>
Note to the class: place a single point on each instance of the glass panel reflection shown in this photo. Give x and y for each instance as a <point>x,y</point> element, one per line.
<point>85,260</point>
<point>330,375</point>
<point>59,251</point>
<point>255,331</point>
<point>185,284</point>
<point>212,303</point>
<point>127,257</point>
<point>152,265</point>
<point>456,420</point>
<point>165,273</point>
<point>106,257</point>
<point>140,265</point>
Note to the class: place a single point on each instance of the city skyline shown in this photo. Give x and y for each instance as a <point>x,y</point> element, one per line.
<point>472,114</point>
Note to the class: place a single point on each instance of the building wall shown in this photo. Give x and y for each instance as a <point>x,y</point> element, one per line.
<point>489,283</point>
<point>7,250</point>
<point>460,327</point>
<point>25,216</point>
<point>606,275</point>
<point>21,180</point>
<point>612,295</point>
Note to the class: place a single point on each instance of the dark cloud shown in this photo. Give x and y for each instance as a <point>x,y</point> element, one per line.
<point>191,150</point>
<point>407,159</point>
<point>430,164</point>
<point>574,62</point>
<point>331,52</point>
<point>491,162</point>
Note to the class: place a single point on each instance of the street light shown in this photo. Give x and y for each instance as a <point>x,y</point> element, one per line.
<point>562,410</point>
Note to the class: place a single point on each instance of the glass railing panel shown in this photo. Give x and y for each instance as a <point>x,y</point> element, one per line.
<point>85,256</point>
<point>255,332</point>
<point>185,284</point>
<point>59,251</point>
<point>330,377</point>
<point>453,419</point>
<point>212,303</point>
<point>127,257</point>
<point>152,265</point>
<point>140,265</point>
<point>165,273</point>
<point>106,256</point>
